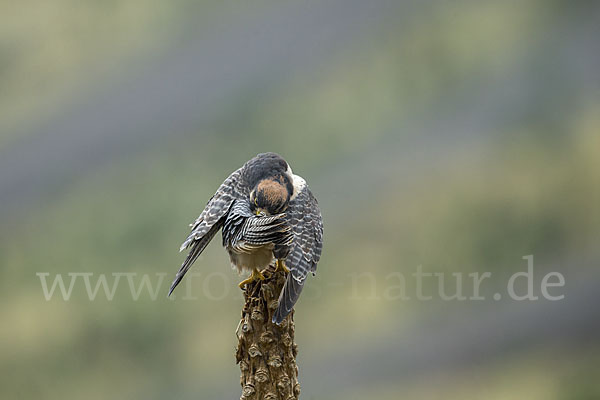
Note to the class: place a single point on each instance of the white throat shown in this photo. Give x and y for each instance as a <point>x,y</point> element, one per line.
<point>298,182</point>
<point>299,185</point>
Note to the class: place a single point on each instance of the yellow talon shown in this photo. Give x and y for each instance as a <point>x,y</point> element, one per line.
<point>255,276</point>
<point>259,275</point>
<point>281,266</point>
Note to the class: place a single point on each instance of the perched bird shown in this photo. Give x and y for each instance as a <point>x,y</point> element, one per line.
<point>265,212</point>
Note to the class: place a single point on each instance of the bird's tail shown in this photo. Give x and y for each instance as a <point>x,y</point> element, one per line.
<point>288,297</point>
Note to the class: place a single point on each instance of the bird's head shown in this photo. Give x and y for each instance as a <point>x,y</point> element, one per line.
<point>270,196</point>
<point>271,180</point>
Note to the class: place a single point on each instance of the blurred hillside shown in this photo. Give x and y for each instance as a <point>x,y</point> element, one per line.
<point>456,136</point>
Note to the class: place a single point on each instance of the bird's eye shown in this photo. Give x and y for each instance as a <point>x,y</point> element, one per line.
<point>255,201</point>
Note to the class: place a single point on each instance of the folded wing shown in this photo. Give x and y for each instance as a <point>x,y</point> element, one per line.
<point>304,217</point>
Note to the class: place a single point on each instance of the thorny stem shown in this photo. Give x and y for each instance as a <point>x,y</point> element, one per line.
<point>266,352</point>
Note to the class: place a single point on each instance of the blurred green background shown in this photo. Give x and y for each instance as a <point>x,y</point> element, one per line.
<point>458,136</point>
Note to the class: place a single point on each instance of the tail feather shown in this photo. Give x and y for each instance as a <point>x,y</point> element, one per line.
<point>288,297</point>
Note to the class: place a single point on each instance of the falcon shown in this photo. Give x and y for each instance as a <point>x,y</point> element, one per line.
<point>266,214</point>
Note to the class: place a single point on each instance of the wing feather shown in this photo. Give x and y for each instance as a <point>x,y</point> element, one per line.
<point>210,221</point>
<point>243,231</point>
<point>304,217</point>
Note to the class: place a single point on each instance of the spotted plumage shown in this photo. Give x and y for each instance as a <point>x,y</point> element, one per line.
<point>265,212</point>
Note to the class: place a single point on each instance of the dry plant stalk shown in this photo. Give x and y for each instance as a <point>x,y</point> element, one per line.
<point>266,352</point>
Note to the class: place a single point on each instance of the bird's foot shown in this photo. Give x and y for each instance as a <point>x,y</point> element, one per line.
<point>281,266</point>
<point>256,276</point>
